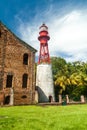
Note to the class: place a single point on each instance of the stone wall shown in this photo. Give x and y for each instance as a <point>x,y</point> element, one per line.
<point>12,50</point>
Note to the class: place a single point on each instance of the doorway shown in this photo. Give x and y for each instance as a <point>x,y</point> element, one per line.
<point>50,98</point>
<point>7,100</point>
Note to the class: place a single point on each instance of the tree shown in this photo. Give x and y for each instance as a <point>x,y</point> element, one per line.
<point>70,78</point>
<point>57,64</point>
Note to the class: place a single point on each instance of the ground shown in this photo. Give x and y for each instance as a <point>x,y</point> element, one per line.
<point>72,117</point>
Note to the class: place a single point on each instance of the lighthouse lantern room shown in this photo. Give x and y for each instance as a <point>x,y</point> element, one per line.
<point>43,38</point>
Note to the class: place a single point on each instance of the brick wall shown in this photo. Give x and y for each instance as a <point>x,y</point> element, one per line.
<point>12,50</point>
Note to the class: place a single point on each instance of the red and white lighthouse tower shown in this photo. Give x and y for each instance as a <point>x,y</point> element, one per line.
<point>44,51</point>
<point>44,77</point>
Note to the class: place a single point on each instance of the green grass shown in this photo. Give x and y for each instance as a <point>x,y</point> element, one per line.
<point>72,117</point>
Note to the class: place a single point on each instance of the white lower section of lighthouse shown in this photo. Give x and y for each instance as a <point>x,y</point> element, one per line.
<point>44,83</point>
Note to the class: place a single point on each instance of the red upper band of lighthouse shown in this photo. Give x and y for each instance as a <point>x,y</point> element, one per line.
<point>44,51</point>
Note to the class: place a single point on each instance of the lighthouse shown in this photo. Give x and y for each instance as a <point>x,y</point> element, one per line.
<point>44,77</point>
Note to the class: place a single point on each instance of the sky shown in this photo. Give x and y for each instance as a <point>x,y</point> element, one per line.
<point>66,21</point>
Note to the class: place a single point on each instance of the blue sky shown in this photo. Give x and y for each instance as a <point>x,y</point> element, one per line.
<point>66,20</point>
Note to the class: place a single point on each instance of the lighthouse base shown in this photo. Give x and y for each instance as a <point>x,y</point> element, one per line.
<point>44,83</point>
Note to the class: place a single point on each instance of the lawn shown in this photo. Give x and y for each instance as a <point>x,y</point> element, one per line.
<point>73,117</point>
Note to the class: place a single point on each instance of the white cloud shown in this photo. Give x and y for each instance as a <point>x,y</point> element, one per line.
<point>71,35</point>
<point>68,34</point>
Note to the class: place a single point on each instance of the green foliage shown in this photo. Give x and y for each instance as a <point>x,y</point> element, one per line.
<point>44,118</point>
<point>57,64</point>
<point>70,78</point>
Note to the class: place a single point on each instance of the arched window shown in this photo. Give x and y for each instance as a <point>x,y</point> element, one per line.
<point>25,59</point>
<point>9,81</point>
<point>24,81</point>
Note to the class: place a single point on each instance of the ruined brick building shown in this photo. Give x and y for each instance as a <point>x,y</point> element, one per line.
<point>17,73</point>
